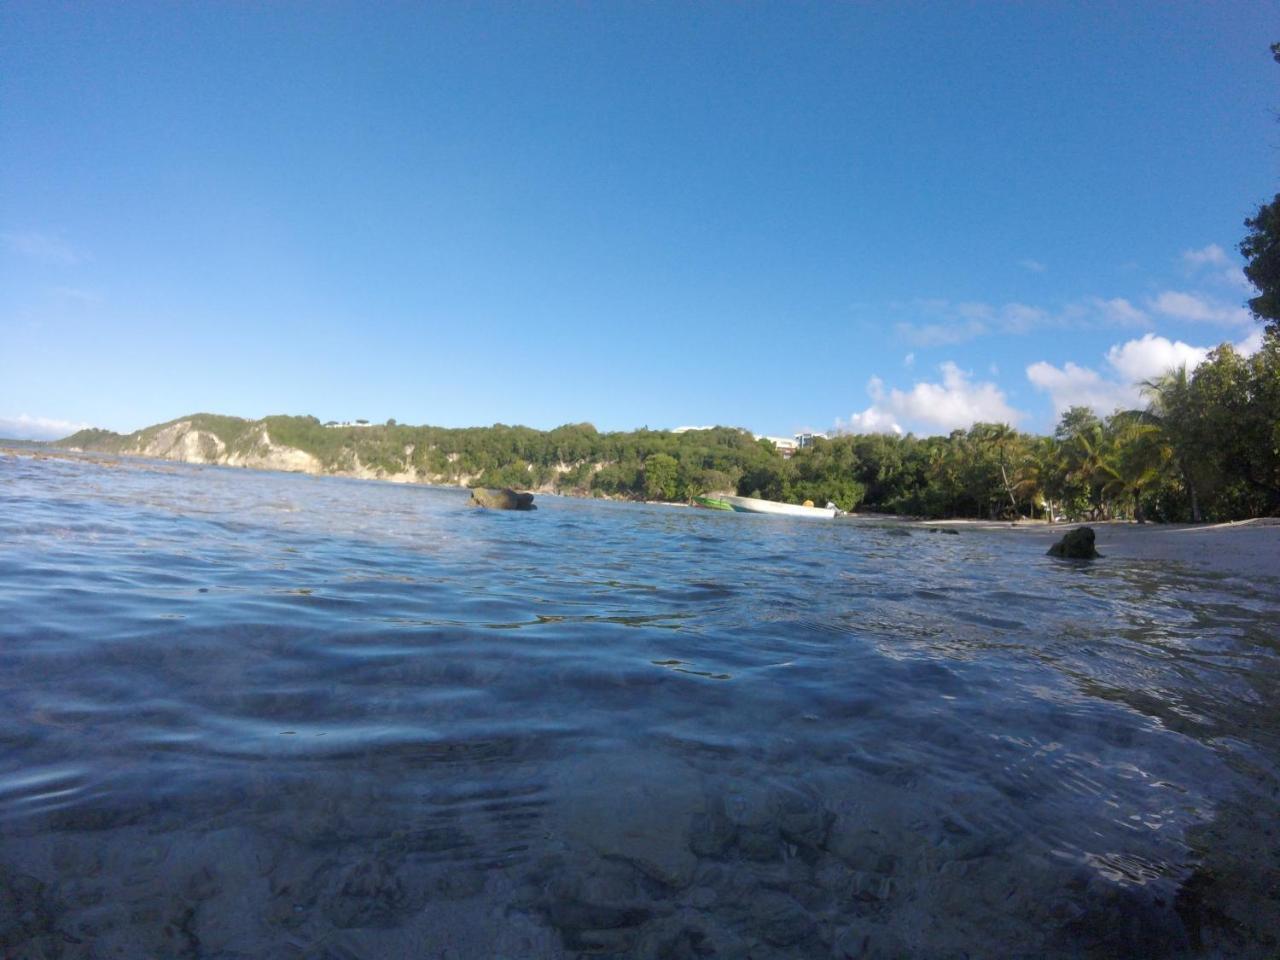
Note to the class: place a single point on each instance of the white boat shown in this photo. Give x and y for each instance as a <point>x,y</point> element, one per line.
<point>752,505</point>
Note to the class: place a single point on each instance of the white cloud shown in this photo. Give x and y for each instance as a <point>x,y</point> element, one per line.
<point>1120,312</point>
<point>909,360</point>
<point>1021,317</point>
<point>24,427</point>
<point>940,334</point>
<point>944,323</point>
<point>1212,255</point>
<point>955,403</point>
<point>1250,344</point>
<point>1035,266</point>
<point>874,419</point>
<point>1128,363</point>
<point>1215,265</point>
<point>41,246</point>
<point>1189,306</point>
<point>1234,277</point>
<point>1076,386</point>
<point>1152,356</point>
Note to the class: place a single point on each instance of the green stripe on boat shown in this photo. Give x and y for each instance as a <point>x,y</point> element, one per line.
<point>712,503</point>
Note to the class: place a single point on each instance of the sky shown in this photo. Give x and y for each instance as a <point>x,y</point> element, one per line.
<point>781,216</point>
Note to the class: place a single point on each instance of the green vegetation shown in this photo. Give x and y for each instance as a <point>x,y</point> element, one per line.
<point>92,438</point>
<point>1205,446</point>
<point>1261,247</point>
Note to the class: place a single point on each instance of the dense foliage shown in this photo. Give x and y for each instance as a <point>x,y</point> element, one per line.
<point>1261,248</point>
<point>1205,446</point>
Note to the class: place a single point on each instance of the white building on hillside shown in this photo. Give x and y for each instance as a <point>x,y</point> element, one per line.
<point>789,445</point>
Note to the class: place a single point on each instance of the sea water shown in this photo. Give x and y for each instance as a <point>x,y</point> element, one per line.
<point>251,715</point>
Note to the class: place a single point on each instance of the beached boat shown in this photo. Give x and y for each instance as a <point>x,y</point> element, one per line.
<point>712,503</point>
<point>752,505</point>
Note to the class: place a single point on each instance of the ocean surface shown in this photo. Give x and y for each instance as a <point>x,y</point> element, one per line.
<point>261,715</point>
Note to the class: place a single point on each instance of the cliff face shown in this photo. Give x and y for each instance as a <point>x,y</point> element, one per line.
<point>187,442</point>
<point>191,441</point>
<point>493,456</point>
<point>180,441</point>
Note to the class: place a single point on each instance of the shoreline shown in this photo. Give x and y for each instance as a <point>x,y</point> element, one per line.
<point>1249,547</point>
<point>1231,548</point>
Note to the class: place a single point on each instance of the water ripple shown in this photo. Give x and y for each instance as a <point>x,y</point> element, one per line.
<point>378,714</point>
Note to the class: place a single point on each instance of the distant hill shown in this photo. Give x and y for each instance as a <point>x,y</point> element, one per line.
<point>575,458</point>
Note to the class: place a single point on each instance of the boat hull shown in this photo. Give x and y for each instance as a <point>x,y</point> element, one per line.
<point>772,507</point>
<point>712,503</point>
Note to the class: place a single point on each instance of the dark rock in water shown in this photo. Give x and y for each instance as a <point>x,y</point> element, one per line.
<point>802,820</point>
<point>712,832</point>
<point>505,499</point>
<point>869,941</point>
<point>1076,545</point>
<point>369,894</point>
<point>25,911</point>
<point>780,920</point>
<point>759,844</point>
<point>1118,921</point>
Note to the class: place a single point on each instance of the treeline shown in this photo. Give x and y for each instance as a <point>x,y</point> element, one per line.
<point>1206,445</point>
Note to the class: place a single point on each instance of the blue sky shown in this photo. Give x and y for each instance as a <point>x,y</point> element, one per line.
<point>778,216</point>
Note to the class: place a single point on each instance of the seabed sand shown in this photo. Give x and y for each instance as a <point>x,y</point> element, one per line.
<point>1241,548</point>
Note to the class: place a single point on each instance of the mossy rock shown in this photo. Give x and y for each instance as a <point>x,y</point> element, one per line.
<point>504,499</point>
<point>1076,545</point>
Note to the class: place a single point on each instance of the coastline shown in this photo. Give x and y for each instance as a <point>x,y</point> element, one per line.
<point>1250,547</point>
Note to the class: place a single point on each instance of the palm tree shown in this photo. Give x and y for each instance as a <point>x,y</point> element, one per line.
<point>1086,457</point>
<point>999,435</point>
<point>1169,410</point>
<point>1036,478</point>
<point>1136,459</point>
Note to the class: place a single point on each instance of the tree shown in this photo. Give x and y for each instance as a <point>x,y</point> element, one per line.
<point>1080,437</point>
<point>1261,247</point>
<point>1039,478</point>
<point>1171,409</point>
<point>999,436</point>
<point>1135,460</point>
<point>661,474</point>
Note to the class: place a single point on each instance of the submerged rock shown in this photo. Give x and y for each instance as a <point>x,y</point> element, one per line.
<point>870,941</point>
<point>1076,545</point>
<point>712,832</point>
<point>638,813</point>
<point>25,911</point>
<point>368,894</point>
<point>504,499</point>
<point>780,920</point>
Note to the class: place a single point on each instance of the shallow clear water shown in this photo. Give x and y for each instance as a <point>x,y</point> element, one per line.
<point>255,714</point>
